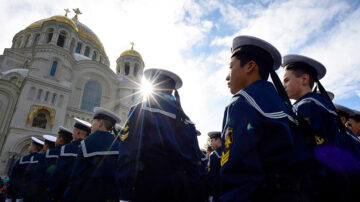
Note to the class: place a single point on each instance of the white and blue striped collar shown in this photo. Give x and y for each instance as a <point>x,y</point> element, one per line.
<point>97,153</point>
<point>62,152</point>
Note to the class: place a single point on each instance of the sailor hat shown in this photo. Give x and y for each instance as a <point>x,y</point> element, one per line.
<point>343,110</point>
<point>319,68</point>
<point>65,131</point>
<point>102,113</point>
<point>37,141</point>
<point>198,133</point>
<point>247,44</point>
<point>82,125</point>
<point>49,138</point>
<point>158,75</point>
<point>214,134</point>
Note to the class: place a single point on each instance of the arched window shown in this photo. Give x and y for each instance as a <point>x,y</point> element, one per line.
<point>53,68</point>
<point>127,68</point>
<point>50,34</point>
<point>136,69</point>
<point>94,56</point>
<point>46,96</point>
<point>53,98</point>
<point>87,51</point>
<point>26,40</point>
<point>61,39</point>
<point>36,39</point>
<point>78,48</point>
<point>14,79</point>
<point>91,96</point>
<point>39,120</point>
<point>100,60</point>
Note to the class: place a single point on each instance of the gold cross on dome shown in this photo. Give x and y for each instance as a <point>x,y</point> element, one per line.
<point>132,45</point>
<point>77,12</point>
<point>66,11</point>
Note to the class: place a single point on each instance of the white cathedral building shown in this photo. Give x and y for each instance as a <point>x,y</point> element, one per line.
<point>57,69</point>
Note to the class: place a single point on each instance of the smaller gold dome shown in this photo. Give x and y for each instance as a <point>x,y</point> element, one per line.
<point>131,52</point>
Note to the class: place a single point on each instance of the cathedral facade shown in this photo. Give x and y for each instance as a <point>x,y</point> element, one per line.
<point>57,69</point>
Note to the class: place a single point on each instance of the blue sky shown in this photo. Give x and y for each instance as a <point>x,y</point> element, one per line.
<point>193,39</point>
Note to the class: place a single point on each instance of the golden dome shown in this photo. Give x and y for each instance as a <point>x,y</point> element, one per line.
<point>80,28</point>
<point>131,52</point>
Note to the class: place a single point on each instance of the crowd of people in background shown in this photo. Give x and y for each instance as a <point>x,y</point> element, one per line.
<point>268,148</point>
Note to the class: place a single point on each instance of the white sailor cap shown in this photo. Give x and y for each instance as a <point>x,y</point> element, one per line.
<point>330,94</point>
<point>82,125</point>
<point>247,44</point>
<point>37,141</point>
<point>319,68</point>
<point>158,75</point>
<point>198,133</point>
<point>65,131</point>
<point>214,134</point>
<point>49,138</point>
<point>102,113</point>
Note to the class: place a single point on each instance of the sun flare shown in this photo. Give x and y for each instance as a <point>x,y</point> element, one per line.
<point>146,88</point>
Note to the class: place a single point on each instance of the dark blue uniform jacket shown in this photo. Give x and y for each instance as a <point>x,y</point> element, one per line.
<point>337,152</point>
<point>159,154</point>
<point>214,173</point>
<point>60,177</point>
<point>93,175</point>
<point>257,142</point>
<point>17,178</point>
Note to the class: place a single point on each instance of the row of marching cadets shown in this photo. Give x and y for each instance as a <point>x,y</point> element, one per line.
<point>268,150</point>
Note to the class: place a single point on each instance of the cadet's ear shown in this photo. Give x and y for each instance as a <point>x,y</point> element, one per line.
<point>251,66</point>
<point>305,78</point>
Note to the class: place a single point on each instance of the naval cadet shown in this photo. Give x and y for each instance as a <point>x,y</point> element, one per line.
<point>16,183</point>
<point>31,190</point>
<point>47,164</point>
<point>335,146</point>
<point>159,153</point>
<point>354,122</point>
<point>257,142</point>
<point>213,172</point>
<point>343,113</point>
<point>60,177</point>
<point>93,174</point>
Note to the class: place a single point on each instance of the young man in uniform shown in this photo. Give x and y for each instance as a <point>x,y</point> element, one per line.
<point>93,174</point>
<point>16,183</point>
<point>354,122</point>
<point>257,142</point>
<point>333,142</point>
<point>31,188</point>
<point>213,172</point>
<point>60,177</point>
<point>47,164</point>
<point>159,153</point>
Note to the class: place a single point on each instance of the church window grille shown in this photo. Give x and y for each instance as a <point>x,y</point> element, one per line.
<point>87,51</point>
<point>127,68</point>
<point>91,96</point>
<point>39,121</point>
<point>78,48</point>
<point>61,39</point>
<point>53,68</point>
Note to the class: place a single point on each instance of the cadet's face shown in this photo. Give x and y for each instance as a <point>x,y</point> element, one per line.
<point>59,141</point>
<point>236,77</point>
<point>292,85</point>
<point>31,147</point>
<point>354,126</point>
<point>215,143</point>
